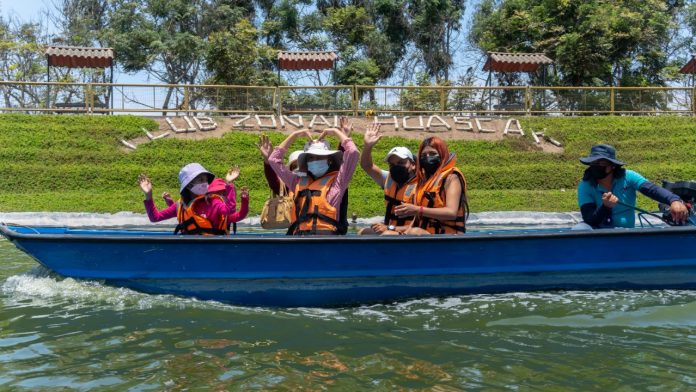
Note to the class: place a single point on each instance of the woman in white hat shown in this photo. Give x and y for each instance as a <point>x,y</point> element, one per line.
<point>195,213</point>
<point>319,193</point>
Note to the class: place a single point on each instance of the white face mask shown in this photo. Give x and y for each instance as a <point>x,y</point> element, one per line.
<point>200,188</point>
<point>318,168</point>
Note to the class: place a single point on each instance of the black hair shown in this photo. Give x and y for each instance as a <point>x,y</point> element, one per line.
<point>618,172</point>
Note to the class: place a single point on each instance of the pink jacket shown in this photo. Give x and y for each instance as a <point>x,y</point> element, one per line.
<point>338,188</point>
<point>213,211</point>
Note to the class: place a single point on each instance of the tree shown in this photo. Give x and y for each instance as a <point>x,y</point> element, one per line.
<point>593,42</point>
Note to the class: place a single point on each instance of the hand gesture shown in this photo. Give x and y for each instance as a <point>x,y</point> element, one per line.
<point>167,197</point>
<point>244,192</point>
<point>406,209</point>
<point>609,200</point>
<point>265,147</point>
<point>372,134</point>
<point>346,125</point>
<point>679,212</point>
<point>332,131</point>
<point>145,186</point>
<point>379,228</point>
<point>232,174</point>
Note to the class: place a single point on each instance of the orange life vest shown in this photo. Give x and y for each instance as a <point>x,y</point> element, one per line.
<point>311,210</point>
<point>192,223</point>
<point>394,195</point>
<point>432,195</point>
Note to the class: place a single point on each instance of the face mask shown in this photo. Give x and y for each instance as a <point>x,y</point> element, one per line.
<point>400,174</point>
<point>598,172</point>
<point>430,163</point>
<point>199,189</point>
<point>318,168</point>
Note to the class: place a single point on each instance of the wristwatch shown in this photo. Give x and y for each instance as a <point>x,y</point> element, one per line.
<point>391,227</point>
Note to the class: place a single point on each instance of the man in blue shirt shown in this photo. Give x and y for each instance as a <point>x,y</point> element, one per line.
<point>606,185</point>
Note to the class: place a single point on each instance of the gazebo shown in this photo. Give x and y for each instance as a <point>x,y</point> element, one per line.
<point>690,68</point>
<point>81,57</point>
<point>515,62</point>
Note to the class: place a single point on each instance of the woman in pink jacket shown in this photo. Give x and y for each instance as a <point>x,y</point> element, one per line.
<point>196,213</point>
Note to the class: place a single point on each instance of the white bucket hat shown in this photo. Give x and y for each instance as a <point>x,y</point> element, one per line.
<point>191,171</point>
<point>293,156</point>
<point>320,148</point>
<point>401,152</point>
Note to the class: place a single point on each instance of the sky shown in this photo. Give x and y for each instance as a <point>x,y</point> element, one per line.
<point>31,10</point>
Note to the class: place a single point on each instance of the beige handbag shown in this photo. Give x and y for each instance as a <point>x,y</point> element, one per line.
<point>277,211</point>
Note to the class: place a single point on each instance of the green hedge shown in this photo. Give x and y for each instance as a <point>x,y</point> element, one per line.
<point>76,163</point>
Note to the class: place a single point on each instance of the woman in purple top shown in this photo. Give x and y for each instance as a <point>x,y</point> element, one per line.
<point>317,166</point>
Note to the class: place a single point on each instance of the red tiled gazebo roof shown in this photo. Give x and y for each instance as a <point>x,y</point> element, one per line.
<point>306,60</point>
<point>515,62</point>
<point>79,57</point>
<point>690,66</point>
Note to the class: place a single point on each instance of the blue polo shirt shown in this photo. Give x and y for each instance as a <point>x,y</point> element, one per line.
<point>624,188</point>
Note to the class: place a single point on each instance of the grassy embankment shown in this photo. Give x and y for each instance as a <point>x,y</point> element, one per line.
<point>76,163</point>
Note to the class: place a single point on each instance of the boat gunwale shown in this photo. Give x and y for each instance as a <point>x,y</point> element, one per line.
<point>12,235</point>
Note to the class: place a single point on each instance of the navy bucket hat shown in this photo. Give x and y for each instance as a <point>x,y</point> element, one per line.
<point>601,151</point>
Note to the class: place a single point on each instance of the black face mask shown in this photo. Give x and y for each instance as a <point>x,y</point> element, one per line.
<point>400,174</point>
<point>598,172</point>
<point>430,163</point>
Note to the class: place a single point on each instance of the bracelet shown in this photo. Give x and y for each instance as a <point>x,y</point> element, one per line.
<point>420,213</point>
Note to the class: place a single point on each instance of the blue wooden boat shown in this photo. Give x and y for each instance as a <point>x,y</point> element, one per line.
<point>274,270</point>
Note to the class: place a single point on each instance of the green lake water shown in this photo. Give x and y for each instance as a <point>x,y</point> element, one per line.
<point>63,334</point>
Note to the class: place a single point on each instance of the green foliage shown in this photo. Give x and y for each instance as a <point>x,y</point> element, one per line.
<point>595,42</point>
<point>235,58</point>
<point>76,163</point>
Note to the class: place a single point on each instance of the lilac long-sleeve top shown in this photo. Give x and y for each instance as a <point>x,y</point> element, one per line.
<point>338,188</point>
<point>213,210</point>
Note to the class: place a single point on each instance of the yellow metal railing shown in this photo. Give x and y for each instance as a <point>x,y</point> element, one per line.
<point>168,99</point>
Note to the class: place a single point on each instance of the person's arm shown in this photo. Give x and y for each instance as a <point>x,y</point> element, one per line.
<point>372,136</point>
<point>266,148</point>
<point>271,178</point>
<point>152,212</point>
<point>275,159</point>
<point>677,208</point>
<point>156,215</point>
<point>658,193</point>
<point>244,210</point>
<point>351,155</point>
<point>453,194</point>
<point>593,215</point>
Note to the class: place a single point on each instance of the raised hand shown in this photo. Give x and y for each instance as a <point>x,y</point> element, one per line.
<point>346,126</point>
<point>232,174</point>
<point>244,192</point>
<point>145,186</point>
<point>265,147</point>
<point>372,134</point>
<point>333,132</point>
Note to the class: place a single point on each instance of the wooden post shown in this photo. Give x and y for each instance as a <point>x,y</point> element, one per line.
<point>611,99</point>
<point>355,100</point>
<point>527,100</point>
<point>443,100</point>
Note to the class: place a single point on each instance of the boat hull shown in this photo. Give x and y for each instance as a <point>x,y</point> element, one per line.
<point>328,271</point>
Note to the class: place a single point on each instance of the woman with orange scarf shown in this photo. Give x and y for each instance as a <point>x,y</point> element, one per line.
<point>440,204</point>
